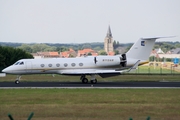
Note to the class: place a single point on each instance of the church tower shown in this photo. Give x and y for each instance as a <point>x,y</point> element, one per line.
<point>108,41</point>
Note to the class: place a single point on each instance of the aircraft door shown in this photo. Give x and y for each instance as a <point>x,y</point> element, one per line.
<point>28,67</point>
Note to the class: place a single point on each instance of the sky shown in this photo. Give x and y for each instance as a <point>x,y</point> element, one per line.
<point>81,21</point>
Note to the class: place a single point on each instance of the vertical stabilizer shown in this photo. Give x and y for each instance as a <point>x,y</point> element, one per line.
<point>142,48</point>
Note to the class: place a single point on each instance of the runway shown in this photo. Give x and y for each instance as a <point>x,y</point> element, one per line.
<point>4,85</point>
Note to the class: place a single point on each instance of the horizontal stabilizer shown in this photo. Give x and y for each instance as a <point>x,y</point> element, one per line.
<point>150,38</point>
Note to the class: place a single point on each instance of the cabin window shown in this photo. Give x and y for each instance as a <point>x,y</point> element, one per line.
<point>73,64</point>
<point>57,65</point>
<point>50,65</point>
<point>65,64</point>
<point>42,65</point>
<point>80,64</point>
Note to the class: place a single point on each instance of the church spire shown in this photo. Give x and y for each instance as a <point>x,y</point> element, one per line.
<point>108,41</point>
<point>109,34</point>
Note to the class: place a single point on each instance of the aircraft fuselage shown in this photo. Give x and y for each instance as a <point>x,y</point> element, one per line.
<point>58,65</point>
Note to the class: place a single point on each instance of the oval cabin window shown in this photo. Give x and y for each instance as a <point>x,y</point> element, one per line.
<point>80,64</point>
<point>73,64</point>
<point>42,65</point>
<point>57,64</point>
<point>50,65</point>
<point>65,64</point>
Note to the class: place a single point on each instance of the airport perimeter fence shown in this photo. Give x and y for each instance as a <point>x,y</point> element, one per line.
<point>157,68</point>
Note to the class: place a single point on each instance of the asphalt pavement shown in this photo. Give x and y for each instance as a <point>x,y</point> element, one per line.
<point>89,85</point>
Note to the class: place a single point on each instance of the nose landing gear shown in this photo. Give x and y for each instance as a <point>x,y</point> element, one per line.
<point>17,81</point>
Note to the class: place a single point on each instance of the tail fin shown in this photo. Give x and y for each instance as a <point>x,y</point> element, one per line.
<point>142,48</point>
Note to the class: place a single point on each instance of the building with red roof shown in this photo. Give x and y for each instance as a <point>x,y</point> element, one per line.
<point>86,52</point>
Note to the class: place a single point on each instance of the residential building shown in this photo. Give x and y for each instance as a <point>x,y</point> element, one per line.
<point>86,52</point>
<point>46,55</point>
<point>67,54</point>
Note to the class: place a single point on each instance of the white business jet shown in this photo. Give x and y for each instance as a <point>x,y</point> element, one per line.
<point>104,66</point>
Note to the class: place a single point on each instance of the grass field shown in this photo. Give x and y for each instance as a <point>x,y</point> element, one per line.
<point>90,104</point>
<point>120,78</point>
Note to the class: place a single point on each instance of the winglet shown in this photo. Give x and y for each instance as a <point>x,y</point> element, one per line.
<point>134,66</point>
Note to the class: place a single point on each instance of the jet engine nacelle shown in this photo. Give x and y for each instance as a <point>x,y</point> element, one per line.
<point>111,60</point>
<point>107,60</point>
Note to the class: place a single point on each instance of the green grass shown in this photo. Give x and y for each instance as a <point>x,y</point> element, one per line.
<point>156,70</point>
<point>90,104</point>
<point>61,78</point>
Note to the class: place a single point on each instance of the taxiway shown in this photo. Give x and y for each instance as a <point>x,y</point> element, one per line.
<point>98,85</point>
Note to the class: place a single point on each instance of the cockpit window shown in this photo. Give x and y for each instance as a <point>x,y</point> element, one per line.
<point>16,63</point>
<point>21,63</point>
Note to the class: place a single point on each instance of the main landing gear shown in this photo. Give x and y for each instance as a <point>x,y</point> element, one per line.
<point>85,80</point>
<point>17,81</point>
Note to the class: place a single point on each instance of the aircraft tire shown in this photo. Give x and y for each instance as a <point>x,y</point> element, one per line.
<point>85,80</point>
<point>17,82</point>
<point>94,81</point>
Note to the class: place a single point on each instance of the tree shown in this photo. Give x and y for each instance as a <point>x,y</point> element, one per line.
<point>9,56</point>
<point>177,44</point>
<point>152,58</point>
<point>102,52</point>
<point>63,48</point>
<point>86,46</point>
<point>115,44</point>
<point>97,48</point>
<point>49,48</point>
<point>168,59</point>
<point>71,56</point>
<point>116,52</point>
<point>26,48</point>
<point>89,54</point>
<point>128,48</point>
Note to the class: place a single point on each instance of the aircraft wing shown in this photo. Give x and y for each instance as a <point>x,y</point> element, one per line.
<point>102,73</point>
<point>87,71</point>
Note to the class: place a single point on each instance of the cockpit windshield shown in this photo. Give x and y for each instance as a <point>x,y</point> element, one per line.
<point>16,63</point>
<point>19,63</point>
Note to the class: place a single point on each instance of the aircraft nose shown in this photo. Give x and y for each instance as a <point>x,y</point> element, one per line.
<point>7,70</point>
<point>4,70</point>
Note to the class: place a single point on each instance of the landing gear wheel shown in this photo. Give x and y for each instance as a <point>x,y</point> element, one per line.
<point>94,81</point>
<point>84,80</point>
<point>17,82</point>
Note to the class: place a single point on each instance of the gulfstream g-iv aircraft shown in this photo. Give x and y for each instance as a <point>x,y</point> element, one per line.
<point>104,66</point>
